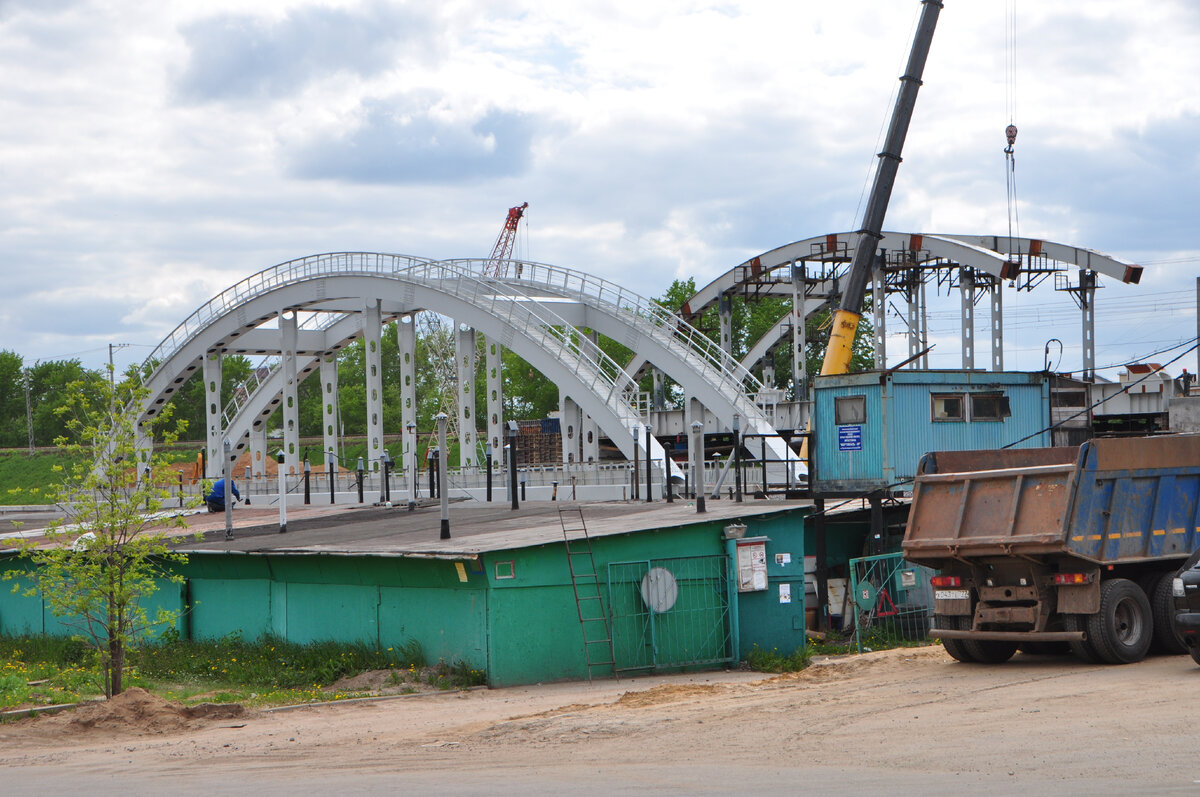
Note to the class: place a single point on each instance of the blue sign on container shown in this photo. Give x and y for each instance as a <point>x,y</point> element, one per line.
<point>850,438</point>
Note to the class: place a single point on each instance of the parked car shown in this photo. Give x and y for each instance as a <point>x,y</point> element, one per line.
<point>1185,588</point>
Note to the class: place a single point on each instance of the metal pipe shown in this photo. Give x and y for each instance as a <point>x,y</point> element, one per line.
<point>442,452</point>
<point>307,479</point>
<point>282,492</point>
<point>227,448</point>
<point>488,453</point>
<point>737,458</point>
<point>698,463</point>
<point>649,470</point>
<point>512,464</point>
<point>359,478</point>
<point>332,483</point>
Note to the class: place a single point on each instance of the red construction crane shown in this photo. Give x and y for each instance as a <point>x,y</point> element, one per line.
<point>497,265</point>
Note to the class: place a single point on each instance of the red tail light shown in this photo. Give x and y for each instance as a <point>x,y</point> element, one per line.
<point>1072,578</point>
<point>946,581</point>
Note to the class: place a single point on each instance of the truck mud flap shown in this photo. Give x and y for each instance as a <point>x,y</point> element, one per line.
<point>1010,636</point>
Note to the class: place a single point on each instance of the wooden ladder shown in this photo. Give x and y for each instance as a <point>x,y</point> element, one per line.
<point>589,600</point>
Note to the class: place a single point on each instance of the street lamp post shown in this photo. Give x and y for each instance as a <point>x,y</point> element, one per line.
<point>227,449</point>
<point>737,458</point>
<point>649,470</point>
<point>512,463</point>
<point>444,495</point>
<point>636,460</point>
<point>698,459</point>
<point>412,485</point>
<point>332,476</point>
<point>487,452</point>
<point>282,492</point>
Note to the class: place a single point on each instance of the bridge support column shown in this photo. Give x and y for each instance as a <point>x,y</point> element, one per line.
<point>878,311</point>
<point>1087,303</point>
<point>799,334</point>
<point>466,358</point>
<point>589,441</point>
<point>694,411</point>
<point>372,333</point>
<point>915,295</point>
<point>495,401</point>
<point>289,335</point>
<point>725,316</point>
<point>966,287</point>
<point>406,340</point>
<point>660,396</point>
<point>997,325</point>
<point>258,450</point>
<point>569,417</point>
<point>329,407</point>
<point>211,372</point>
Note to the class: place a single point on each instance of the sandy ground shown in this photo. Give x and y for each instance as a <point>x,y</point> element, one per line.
<point>903,721</point>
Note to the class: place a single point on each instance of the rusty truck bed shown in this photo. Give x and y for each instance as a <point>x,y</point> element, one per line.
<point>1107,501</point>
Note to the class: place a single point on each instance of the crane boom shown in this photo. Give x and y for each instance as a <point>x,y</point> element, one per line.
<point>497,265</point>
<point>845,321</point>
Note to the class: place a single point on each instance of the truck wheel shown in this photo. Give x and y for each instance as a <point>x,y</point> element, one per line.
<point>1195,651</point>
<point>990,651</point>
<point>1083,650</point>
<point>1121,631</point>
<point>1162,606</point>
<point>954,646</point>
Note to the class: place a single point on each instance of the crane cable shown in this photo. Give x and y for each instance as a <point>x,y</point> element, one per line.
<point>1010,132</point>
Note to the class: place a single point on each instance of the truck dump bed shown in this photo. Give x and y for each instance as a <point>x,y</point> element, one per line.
<point>1110,500</point>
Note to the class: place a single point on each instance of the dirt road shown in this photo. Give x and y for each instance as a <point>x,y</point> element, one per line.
<point>903,721</point>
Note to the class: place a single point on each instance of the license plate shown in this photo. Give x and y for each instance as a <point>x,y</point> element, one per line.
<point>952,594</point>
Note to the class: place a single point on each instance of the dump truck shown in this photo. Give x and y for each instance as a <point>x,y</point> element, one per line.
<point>1047,548</point>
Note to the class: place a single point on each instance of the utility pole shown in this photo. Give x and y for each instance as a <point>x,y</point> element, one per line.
<point>111,368</point>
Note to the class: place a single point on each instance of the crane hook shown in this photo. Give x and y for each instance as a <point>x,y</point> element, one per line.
<point>1011,133</point>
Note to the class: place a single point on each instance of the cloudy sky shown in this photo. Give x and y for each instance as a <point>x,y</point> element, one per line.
<point>152,154</point>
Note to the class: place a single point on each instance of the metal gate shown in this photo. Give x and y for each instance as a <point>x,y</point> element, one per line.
<point>670,613</point>
<point>892,598</point>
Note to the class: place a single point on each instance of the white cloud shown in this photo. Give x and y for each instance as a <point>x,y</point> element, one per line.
<point>156,153</point>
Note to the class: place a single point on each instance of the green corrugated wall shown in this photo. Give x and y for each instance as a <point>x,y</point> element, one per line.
<point>521,630</point>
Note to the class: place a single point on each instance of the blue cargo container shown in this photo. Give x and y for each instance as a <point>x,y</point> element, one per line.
<point>872,428</point>
<point>1073,544</point>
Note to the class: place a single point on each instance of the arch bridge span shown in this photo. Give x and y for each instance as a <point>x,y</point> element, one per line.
<point>299,314</point>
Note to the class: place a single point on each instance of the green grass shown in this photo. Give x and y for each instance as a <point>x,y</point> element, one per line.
<point>774,661</point>
<point>27,479</point>
<point>260,673</point>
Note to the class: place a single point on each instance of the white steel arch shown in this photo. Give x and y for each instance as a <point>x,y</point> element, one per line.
<point>326,283</point>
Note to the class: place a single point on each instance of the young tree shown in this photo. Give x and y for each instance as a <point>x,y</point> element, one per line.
<point>96,568</point>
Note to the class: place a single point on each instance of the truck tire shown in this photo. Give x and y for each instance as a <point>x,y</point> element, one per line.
<point>1195,651</point>
<point>954,647</point>
<point>1123,628</point>
<point>1162,608</point>
<point>990,651</point>
<point>1083,650</point>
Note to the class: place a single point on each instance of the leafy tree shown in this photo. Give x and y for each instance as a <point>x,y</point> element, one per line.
<point>50,384</point>
<point>98,565</point>
<point>13,430</point>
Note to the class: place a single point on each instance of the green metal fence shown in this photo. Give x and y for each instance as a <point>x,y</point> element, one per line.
<point>669,613</point>
<point>892,598</point>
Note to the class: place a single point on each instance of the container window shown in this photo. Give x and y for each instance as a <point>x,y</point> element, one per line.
<point>989,407</point>
<point>850,409</point>
<point>1067,398</point>
<point>947,407</point>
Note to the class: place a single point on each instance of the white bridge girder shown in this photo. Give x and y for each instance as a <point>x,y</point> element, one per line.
<point>988,254</point>
<point>399,292</point>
